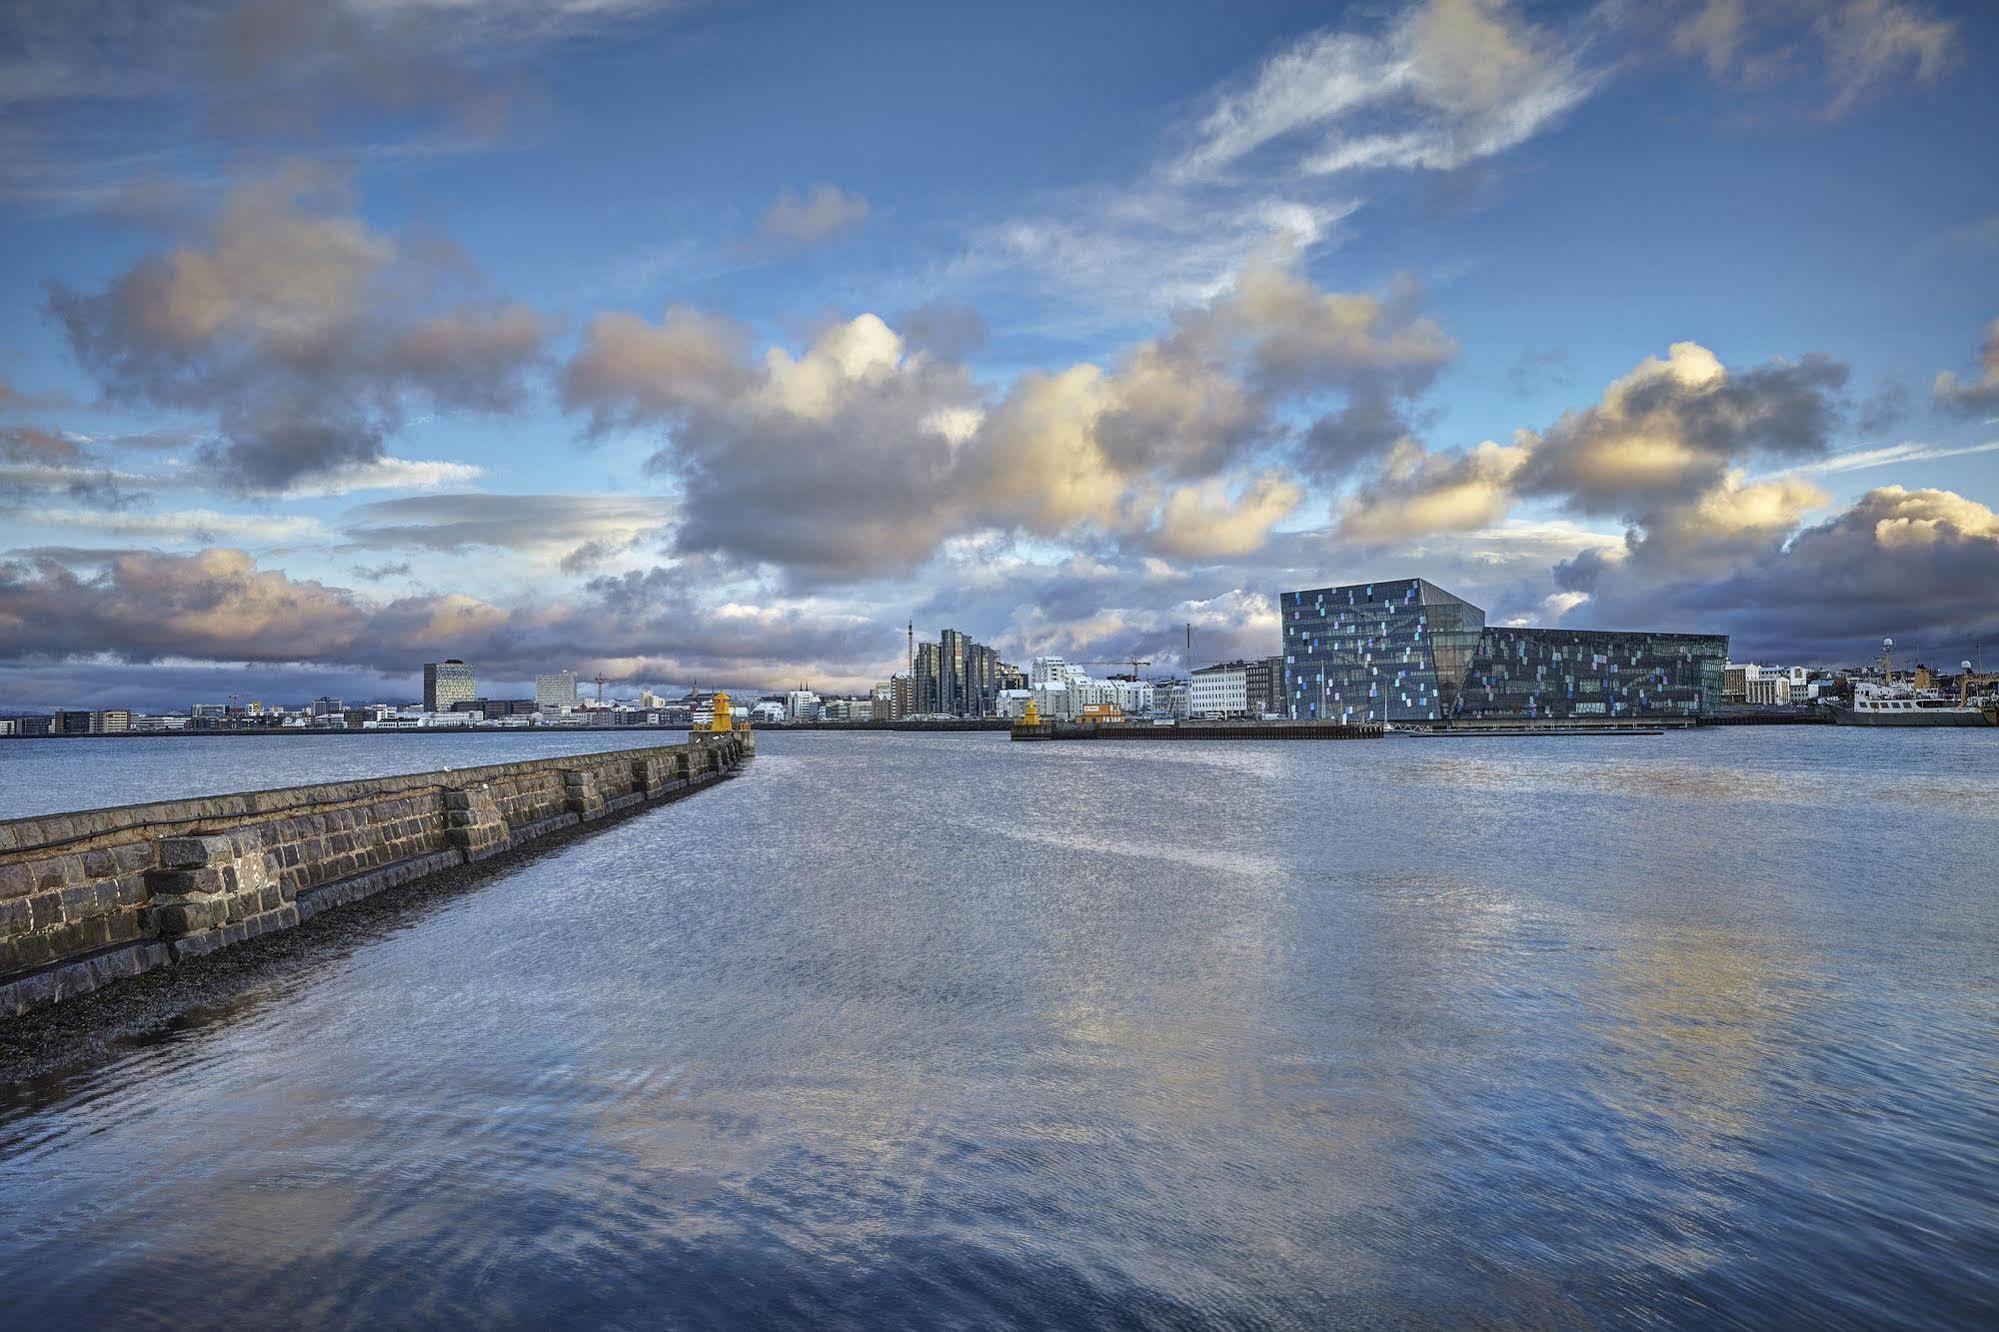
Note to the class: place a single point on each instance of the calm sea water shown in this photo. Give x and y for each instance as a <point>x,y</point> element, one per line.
<point>57,776</point>
<point>916,1031</point>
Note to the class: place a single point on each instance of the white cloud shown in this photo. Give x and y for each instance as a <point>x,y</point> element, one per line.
<point>199,526</point>
<point>1450,83</point>
<point>385,474</point>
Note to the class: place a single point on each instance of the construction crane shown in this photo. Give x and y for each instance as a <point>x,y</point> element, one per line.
<point>1136,664</point>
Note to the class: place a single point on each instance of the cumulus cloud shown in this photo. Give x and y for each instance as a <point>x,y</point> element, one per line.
<point>822,214</point>
<point>860,454</point>
<point>1673,428</point>
<point>1418,493</point>
<point>219,606</point>
<point>303,330</point>
<point>1979,395</point>
<point>1204,520</point>
<point>1897,562</point>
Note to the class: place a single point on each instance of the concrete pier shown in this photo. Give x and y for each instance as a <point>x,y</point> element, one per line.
<point>88,898</point>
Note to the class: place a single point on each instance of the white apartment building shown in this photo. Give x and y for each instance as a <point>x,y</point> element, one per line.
<point>1173,698</point>
<point>1012,703</point>
<point>1133,696</point>
<point>801,705</point>
<point>1220,691</point>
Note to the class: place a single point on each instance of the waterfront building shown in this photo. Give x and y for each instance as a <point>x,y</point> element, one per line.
<point>1012,703</point>
<point>325,707</point>
<point>71,721</point>
<point>1408,650</point>
<point>1263,683</point>
<point>1221,690</point>
<point>1134,696</point>
<point>555,691</point>
<point>801,705</point>
<point>1173,698</point>
<point>929,690</point>
<point>446,682</point>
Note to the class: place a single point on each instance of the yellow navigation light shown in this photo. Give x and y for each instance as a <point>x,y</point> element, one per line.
<point>1031,717</point>
<point>720,720</point>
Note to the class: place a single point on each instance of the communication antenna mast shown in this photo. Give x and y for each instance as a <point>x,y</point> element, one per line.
<point>600,686</point>
<point>1190,645</point>
<point>912,650</point>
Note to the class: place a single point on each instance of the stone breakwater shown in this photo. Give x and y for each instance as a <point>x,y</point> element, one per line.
<point>88,898</point>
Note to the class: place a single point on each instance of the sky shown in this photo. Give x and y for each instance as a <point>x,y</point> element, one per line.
<point>714,343</point>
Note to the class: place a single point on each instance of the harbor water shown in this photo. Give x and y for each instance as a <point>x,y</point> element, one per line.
<point>939,1030</point>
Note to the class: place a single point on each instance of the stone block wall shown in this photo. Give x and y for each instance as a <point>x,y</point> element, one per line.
<point>89,897</point>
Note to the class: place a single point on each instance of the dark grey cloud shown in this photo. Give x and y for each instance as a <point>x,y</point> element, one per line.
<point>1977,396</point>
<point>40,465</point>
<point>38,444</point>
<point>302,331</point>
<point>219,606</point>
<point>1916,565</point>
<point>377,573</point>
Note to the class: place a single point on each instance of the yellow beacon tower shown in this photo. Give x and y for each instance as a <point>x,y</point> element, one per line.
<point>720,721</point>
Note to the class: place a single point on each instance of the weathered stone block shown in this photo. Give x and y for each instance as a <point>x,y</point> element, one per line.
<point>183,882</point>
<point>15,917</point>
<point>32,949</point>
<point>45,910</point>
<point>194,852</point>
<point>15,881</point>
<point>185,916</point>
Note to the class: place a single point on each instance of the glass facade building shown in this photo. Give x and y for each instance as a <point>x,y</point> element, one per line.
<point>1410,651</point>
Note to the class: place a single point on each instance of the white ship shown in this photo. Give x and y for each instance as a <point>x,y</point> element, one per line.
<point>1889,704</point>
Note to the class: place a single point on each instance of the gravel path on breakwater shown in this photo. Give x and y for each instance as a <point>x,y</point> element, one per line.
<point>141,1010</point>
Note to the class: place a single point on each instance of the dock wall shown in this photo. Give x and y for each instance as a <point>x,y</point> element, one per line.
<point>89,898</point>
<point>1284,730</point>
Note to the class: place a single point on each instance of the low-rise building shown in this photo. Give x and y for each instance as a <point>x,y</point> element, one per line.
<point>1221,690</point>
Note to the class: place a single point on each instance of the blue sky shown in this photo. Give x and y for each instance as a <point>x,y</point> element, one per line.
<point>716,341</point>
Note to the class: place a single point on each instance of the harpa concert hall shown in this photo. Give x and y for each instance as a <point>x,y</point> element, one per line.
<point>1408,651</point>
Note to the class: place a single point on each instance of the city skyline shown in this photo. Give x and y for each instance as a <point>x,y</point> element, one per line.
<point>616,340</point>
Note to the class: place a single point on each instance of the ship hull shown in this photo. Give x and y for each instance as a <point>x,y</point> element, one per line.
<point>1915,717</point>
